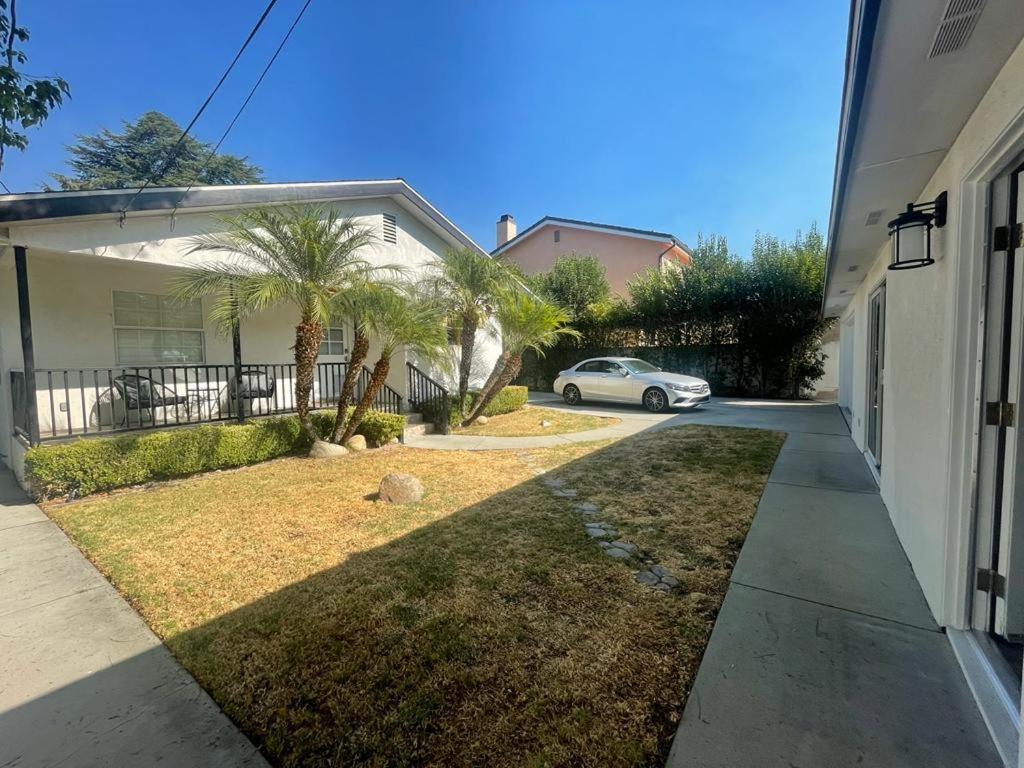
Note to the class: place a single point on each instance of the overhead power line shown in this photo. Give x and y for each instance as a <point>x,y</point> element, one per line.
<point>245,103</point>
<point>174,149</point>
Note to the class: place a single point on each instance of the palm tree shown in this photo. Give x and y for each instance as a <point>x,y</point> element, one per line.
<point>400,316</point>
<point>354,305</point>
<point>469,281</point>
<point>527,322</point>
<point>304,255</point>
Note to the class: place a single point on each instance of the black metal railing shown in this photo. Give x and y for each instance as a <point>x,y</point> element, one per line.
<point>430,398</point>
<point>19,404</point>
<point>84,401</point>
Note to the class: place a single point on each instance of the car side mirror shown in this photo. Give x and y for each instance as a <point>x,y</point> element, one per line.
<point>624,373</point>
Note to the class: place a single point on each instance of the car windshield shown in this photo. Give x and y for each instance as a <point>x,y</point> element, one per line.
<point>638,366</point>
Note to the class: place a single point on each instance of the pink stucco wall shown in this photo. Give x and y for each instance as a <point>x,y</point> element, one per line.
<point>622,255</point>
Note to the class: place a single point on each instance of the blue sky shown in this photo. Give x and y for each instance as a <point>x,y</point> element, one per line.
<point>679,115</point>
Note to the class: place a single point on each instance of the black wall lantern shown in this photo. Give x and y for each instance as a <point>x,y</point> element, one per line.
<point>911,233</point>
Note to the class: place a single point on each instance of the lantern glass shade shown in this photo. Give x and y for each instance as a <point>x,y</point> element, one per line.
<point>911,240</point>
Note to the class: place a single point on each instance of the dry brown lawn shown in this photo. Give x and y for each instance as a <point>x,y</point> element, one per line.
<point>480,627</point>
<point>526,422</point>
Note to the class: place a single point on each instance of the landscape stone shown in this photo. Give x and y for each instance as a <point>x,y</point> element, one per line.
<point>627,545</point>
<point>356,443</point>
<point>597,533</point>
<point>545,424</point>
<point>323,450</point>
<point>618,554</point>
<point>565,493</point>
<point>670,581</point>
<point>648,578</point>
<point>659,570</point>
<point>481,419</point>
<point>398,488</point>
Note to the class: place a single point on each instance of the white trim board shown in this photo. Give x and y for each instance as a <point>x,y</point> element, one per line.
<point>1000,713</point>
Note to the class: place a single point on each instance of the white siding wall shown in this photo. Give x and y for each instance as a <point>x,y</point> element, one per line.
<point>918,417</point>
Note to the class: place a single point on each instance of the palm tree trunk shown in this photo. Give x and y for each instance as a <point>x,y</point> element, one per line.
<point>360,348</point>
<point>499,366</point>
<point>308,336</point>
<point>512,367</point>
<point>377,379</point>
<point>468,339</point>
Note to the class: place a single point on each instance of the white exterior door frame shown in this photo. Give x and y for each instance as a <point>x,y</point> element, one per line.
<point>966,330</point>
<point>968,285</point>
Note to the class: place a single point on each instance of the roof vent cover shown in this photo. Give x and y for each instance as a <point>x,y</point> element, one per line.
<point>390,228</point>
<point>957,24</point>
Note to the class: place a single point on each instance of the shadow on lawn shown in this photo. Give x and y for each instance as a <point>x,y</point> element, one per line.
<point>499,635</point>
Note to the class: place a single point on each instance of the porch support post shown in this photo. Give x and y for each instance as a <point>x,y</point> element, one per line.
<point>27,349</point>
<point>236,348</point>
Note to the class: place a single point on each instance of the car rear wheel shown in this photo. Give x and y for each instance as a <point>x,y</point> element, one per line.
<point>571,394</point>
<point>655,400</point>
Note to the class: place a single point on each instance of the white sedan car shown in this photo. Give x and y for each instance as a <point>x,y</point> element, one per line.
<point>629,380</point>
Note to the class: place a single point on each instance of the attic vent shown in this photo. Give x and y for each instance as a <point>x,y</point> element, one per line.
<point>390,228</point>
<point>957,24</point>
<point>873,218</point>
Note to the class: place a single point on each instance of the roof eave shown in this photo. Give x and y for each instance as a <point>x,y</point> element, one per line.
<point>38,208</point>
<point>860,42</point>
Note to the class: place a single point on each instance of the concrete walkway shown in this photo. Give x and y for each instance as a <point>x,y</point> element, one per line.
<point>783,415</point>
<point>83,681</point>
<point>825,652</point>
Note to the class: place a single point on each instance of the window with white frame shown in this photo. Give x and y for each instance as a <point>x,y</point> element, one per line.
<point>334,339</point>
<point>150,329</point>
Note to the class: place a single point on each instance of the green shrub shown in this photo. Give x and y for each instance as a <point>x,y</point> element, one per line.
<point>510,399</point>
<point>100,464</point>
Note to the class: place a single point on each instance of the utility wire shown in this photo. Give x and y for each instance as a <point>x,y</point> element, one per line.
<point>241,109</point>
<point>206,103</point>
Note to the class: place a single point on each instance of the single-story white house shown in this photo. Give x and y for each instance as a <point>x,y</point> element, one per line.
<point>90,341</point>
<point>931,351</point>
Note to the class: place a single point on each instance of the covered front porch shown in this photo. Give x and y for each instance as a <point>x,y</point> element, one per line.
<point>92,345</point>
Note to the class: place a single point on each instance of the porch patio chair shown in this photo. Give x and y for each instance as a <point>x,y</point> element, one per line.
<point>134,400</point>
<point>252,385</point>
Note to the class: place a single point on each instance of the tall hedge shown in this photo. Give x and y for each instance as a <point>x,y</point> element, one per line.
<point>748,326</point>
<point>88,465</point>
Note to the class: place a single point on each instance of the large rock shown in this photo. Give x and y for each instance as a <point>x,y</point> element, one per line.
<point>323,450</point>
<point>356,443</point>
<point>397,488</point>
<point>481,419</point>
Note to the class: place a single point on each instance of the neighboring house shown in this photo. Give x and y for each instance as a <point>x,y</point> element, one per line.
<point>85,317</point>
<point>931,358</point>
<point>625,252</point>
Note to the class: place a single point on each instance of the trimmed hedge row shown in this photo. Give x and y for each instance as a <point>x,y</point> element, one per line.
<point>100,464</point>
<point>510,399</point>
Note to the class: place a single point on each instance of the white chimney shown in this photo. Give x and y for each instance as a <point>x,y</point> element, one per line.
<point>506,228</point>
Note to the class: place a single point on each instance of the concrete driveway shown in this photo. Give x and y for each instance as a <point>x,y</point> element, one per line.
<point>806,416</point>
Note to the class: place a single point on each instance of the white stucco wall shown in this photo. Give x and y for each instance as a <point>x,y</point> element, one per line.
<point>918,422</point>
<point>75,266</point>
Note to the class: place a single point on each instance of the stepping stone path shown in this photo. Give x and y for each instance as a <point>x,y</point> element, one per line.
<point>652,575</point>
